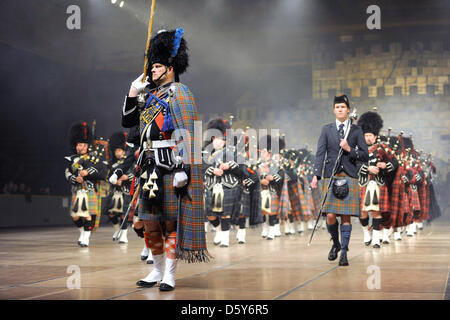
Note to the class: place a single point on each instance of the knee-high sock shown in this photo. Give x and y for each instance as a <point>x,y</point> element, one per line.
<point>171,245</point>
<point>272,220</point>
<point>291,218</point>
<point>225,224</point>
<point>376,223</point>
<point>242,223</point>
<point>88,224</point>
<point>215,222</point>
<point>79,223</point>
<point>334,232</point>
<point>125,224</point>
<point>364,222</point>
<point>155,242</point>
<point>346,231</point>
<point>114,219</point>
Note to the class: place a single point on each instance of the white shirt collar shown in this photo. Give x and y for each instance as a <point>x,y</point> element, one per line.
<point>345,124</point>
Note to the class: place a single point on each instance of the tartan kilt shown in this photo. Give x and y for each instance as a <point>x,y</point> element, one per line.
<point>296,208</point>
<point>274,203</point>
<point>396,194</point>
<point>403,213</point>
<point>231,202</point>
<point>134,209</point>
<point>245,204</point>
<point>348,206</point>
<point>147,211</point>
<point>317,197</point>
<point>107,202</point>
<point>414,202</point>
<point>309,200</point>
<point>424,197</point>
<point>384,202</point>
<point>94,203</point>
<point>306,210</point>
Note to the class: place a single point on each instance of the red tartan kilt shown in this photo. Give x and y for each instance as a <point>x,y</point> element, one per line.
<point>274,204</point>
<point>385,204</point>
<point>414,202</point>
<point>294,199</point>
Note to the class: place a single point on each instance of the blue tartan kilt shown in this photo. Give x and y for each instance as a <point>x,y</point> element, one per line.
<point>348,206</point>
<point>231,202</point>
<point>245,204</point>
<point>168,211</point>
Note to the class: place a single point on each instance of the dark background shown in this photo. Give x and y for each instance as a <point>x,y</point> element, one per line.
<point>52,77</point>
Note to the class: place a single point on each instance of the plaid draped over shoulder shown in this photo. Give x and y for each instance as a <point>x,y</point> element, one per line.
<point>191,240</point>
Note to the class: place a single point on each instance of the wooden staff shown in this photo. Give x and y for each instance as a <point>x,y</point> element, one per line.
<point>149,35</point>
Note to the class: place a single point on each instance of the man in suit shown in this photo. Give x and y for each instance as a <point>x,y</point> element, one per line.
<point>343,196</point>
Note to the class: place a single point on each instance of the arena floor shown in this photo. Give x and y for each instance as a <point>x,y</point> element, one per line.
<point>36,264</point>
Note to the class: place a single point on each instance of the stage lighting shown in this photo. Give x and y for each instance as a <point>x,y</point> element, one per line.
<point>113,1</point>
<point>121,4</point>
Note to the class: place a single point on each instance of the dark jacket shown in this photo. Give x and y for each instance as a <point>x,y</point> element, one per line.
<point>328,150</point>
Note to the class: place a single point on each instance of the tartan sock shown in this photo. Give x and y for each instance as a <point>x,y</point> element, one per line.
<point>272,220</point>
<point>242,223</point>
<point>376,224</point>
<point>346,231</point>
<point>364,222</point>
<point>79,223</point>
<point>155,242</point>
<point>334,232</point>
<point>225,224</point>
<point>215,222</point>
<point>171,245</point>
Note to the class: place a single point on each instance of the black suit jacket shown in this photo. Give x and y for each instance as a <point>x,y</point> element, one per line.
<point>328,150</point>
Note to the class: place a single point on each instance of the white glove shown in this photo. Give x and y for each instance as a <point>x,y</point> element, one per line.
<point>180,179</point>
<point>113,179</point>
<point>138,84</point>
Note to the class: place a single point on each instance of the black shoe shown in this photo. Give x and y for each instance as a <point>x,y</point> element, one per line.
<point>334,252</point>
<point>368,243</point>
<point>145,284</point>
<point>149,261</point>
<point>386,242</point>
<point>144,258</point>
<point>165,287</point>
<point>376,246</point>
<point>79,243</point>
<point>343,260</point>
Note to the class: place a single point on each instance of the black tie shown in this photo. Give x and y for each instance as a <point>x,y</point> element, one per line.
<point>341,131</point>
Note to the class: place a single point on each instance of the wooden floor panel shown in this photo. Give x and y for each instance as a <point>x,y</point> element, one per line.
<point>34,265</point>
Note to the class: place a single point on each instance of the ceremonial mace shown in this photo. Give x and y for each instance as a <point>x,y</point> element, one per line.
<point>149,34</point>
<point>353,116</point>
